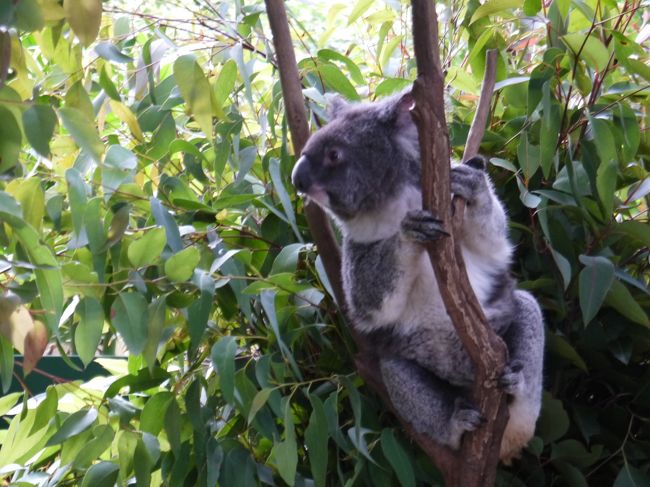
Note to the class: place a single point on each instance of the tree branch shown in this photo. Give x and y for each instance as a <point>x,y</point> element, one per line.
<point>479,455</point>
<point>477,129</point>
<point>294,104</point>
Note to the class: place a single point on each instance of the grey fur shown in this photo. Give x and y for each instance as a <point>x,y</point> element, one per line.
<point>364,168</point>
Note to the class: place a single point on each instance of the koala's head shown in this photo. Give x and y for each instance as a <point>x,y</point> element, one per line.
<point>364,156</point>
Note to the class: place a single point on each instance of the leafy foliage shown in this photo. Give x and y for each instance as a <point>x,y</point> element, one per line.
<point>145,203</point>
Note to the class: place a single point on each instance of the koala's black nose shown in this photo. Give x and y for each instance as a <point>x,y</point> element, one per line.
<point>300,176</point>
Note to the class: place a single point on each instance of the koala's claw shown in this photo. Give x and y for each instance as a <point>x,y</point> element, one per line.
<point>422,226</point>
<point>467,182</point>
<point>512,379</point>
<point>464,418</point>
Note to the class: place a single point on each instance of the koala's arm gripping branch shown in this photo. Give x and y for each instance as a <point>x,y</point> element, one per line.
<point>294,103</point>
<point>476,463</point>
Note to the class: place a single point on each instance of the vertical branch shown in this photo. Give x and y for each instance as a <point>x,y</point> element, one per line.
<point>319,225</point>
<point>477,461</point>
<point>477,129</point>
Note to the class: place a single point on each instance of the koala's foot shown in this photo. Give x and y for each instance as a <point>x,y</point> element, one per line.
<point>464,418</point>
<point>468,181</point>
<point>422,226</point>
<point>512,380</point>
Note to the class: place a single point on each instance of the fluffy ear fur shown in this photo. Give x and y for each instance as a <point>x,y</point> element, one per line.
<point>336,105</point>
<point>397,110</point>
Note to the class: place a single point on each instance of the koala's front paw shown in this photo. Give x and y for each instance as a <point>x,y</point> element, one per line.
<point>469,182</point>
<point>464,418</point>
<point>512,380</point>
<point>422,226</point>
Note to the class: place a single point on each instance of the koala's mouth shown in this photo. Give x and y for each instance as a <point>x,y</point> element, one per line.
<point>318,195</point>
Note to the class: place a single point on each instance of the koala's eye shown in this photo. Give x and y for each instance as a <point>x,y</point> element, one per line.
<point>334,156</point>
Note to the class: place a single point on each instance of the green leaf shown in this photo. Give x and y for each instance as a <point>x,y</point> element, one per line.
<point>153,413</point>
<point>111,52</point>
<point>165,220</point>
<point>77,196</point>
<point>630,476</point>
<point>30,195</point>
<point>180,266</point>
<point>553,421</point>
<point>528,156</point>
<point>6,363</point>
<point>129,317</point>
<point>85,18</point>
<point>595,281</point>
<point>559,345</point>
<point>89,331</point>
<point>355,72</point>
<point>593,50</point>
<point>223,357</point>
<point>10,140</point>
<point>337,81</point>
<point>147,249</point>
<point>8,401</point>
<point>620,298</point>
<point>83,131</point>
<point>225,83</point>
<point>359,9</point>
<point>77,97</point>
<point>285,453</point>
<point>29,16</point>
<point>155,326</point>
<point>531,7</point>
<point>103,437</point>
<point>397,458</point>
<point>549,130</point>
<point>48,276</point>
<point>73,425</point>
<point>103,474</point>
<point>258,403</point>
<point>637,230</point>
<point>316,438</point>
<point>493,6</point>
<point>108,86</point>
<point>39,122</point>
<point>195,90</point>
<point>173,426</point>
<point>389,86</point>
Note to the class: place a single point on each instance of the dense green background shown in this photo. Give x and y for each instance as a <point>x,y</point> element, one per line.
<point>145,195</point>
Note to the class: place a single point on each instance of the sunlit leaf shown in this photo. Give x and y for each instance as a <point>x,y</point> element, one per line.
<point>195,89</point>
<point>129,317</point>
<point>589,48</point>
<point>85,17</point>
<point>89,331</point>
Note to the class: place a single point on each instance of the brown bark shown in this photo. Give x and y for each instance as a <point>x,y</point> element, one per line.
<point>477,460</point>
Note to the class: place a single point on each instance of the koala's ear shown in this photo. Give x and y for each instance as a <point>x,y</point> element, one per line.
<point>477,162</point>
<point>398,110</point>
<point>336,105</point>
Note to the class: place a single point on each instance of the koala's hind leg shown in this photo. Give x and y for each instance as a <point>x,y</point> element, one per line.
<point>523,375</point>
<point>431,405</point>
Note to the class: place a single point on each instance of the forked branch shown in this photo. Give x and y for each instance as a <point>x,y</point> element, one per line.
<point>477,461</point>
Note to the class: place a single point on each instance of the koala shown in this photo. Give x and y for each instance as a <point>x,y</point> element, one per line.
<point>364,169</point>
